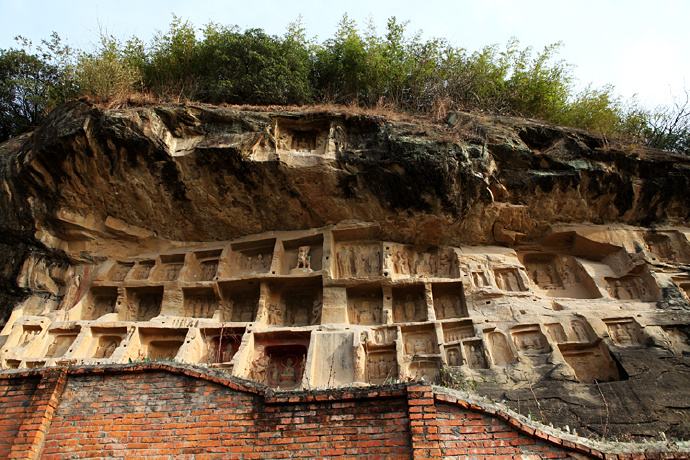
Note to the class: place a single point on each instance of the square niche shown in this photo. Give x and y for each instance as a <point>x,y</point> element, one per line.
<point>143,303</point>
<point>295,302</point>
<point>102,301</point>
<point>301,256</point>
<point>449,300</point>
<point>61,342</point>
<point>279,359</point>
<point>105,340</point>
<point>509,279</point>
<point>420,340</point>
<point>170,267</point>
<point>358,260</point>
<point>240,300</point>
<point>249,257</point>
<point>591,362</point>
<point>457,331</point>
<point>199,302</point>
<point>382,365</point>
<point>160,344</point>
<point>142,270</point>
<point>207,268</point>
<point>221,344</point>
<point>409,303</point>
<point>365,305</point>
<point>120,270</point>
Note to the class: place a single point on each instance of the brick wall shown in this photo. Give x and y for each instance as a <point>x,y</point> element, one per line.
<point>159,411</point>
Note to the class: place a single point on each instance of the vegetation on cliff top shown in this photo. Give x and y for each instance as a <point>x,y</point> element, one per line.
<point>395,70</point>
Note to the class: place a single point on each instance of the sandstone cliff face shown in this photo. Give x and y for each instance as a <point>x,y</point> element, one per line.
<point>540,265</point>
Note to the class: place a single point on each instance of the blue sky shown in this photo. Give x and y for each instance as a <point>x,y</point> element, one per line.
<point>641,47</point>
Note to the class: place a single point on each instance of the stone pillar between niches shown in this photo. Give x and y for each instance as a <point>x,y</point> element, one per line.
<point>423,423</point>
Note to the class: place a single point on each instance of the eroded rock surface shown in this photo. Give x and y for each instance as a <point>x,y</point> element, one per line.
<point>538,265</point>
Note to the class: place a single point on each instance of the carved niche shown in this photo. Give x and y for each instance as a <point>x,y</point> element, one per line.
<point>143,304</point>
<point>427,369</point>
<point>590,362</point>
<point>456,331</point>
<point>142,270</point>
<point>582,331</point>
<point>240,300</point>
<point>529,339</point>
<point>29,333</point>
<point>61,343</point>
<point>382,366</point>
<point>295,302</point>
<point>474,354</point>
<point>625,332</point>
<point>382,336</point>
<point>449,300</point>
<point>208,264</point>
<point>280,366</point>
<point>499,350</point>
<point>250,257</point>
<point>221,348</point>
<point>160,344</point>
<point>120,271</point>
<point>454,356</point>
<point>629,287</point>
<point>556,332</point>
<point>407,261</point>
<point>661,246</point>
<point>508,279</point>
<point>409,303</point>
<point>107,344</point>
<point>420,340</point>
<point>102,302</point>
<point>365,305</point>
<point>199,302</point>
<point>302,255</point>
<point>358,260</point>
<point>560,276</point>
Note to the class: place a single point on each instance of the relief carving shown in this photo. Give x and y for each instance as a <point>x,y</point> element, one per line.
<point>454,356</point>
<point>381,367</point>
<point>209,268</point>
<point>556,332</point>
<point>530,340</point>
<point>107,346</point>
<point>508,279</point>
<point>171,271</point>
<point>500,351</point>
<point>474,352</point>
<point>625,333</point>
<point>200,305</point>
<point>142,270</point>
<point>120,271</point>
<point>60,345</point>
<point>356,261</point>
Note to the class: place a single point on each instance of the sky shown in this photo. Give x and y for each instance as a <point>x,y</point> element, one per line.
<point>640,47</point>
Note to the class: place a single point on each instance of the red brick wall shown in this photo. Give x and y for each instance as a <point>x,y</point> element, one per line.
<point>464,433</point>
<point>157,413</point>
<point>15,397</point>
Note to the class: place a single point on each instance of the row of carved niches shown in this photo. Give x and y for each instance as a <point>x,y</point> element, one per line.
<point>278,359</point>
<point>559,276</point>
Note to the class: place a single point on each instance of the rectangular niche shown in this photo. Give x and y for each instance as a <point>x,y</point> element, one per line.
<point>61,342</point>
<point>120,270</point>
<point>499,349</point>
<point>365,305</point>
<point>449,300</point>
<point>425,368</point>
<point>199,302</point>
<point>382,366</point>
<point>221,344</point>
<point>382,336</point>
<point>590,362</point>
<point>143,303</point>
<point>632,287</point>
<point>301,256</point>
<point>305,137</point>
<point>661,246</point>
<point>509,279</point>
<point>208,264</point>
<point>30,333</point>
<point>556,332</point>
<point>142,270</point>
<point>457,331</point>
<point>409,303</point>
<point>105,340</point>
<point>560,276</point>
<point>358,260</point>
<point>101,302</point>
<point>420,340</point>
<point>295,302</point>
<point>625,332</point>
<point>473,349</point>
<point>279,359</point>
<point>240,300</point>
<point>404,261</point>
<point>250,257</point>
<point>529,339</point>
<point>170,267</point>
<point>160,344</point>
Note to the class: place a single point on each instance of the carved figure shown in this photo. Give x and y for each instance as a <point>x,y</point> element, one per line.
<point>303,258</point>
<point>172,271</point>
<point>410,308</point>
<point>275,315</point>
<point>580,330</point>
<point>475,358</point>
<point>453,357</point>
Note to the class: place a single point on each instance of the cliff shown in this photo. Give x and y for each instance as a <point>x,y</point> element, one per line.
<point>534,264</point>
